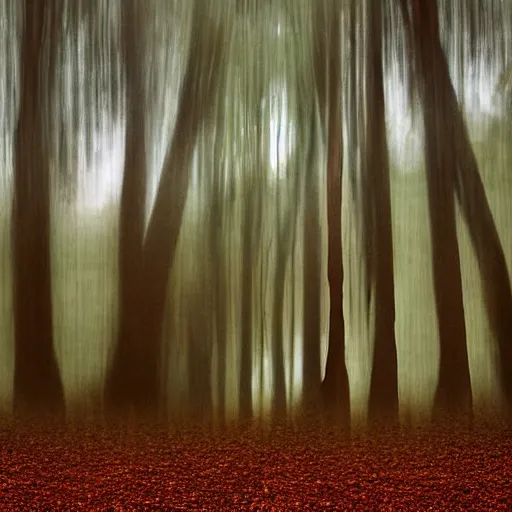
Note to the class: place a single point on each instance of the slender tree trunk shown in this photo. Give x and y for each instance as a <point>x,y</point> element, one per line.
<point>37,384</point>
<point>221,338</point>
<point>383,399</point>
<point>124,385</point>
<point>335,386</point>
<point>245,378</point>
<point>279,391</point>
<point>312,277</point>
<point>220,296</point>
<point>453,394</point>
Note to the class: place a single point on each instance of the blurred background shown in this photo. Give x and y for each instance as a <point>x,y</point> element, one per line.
<point>174,179</point>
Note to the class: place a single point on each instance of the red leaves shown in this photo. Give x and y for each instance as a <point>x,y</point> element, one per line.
<point>92,469</point>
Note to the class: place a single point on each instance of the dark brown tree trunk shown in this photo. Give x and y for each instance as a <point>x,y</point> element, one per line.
<point>335,386</point>
<point>37,384</point>
<point>195,103</point>
<point>453,394</point>
<point>383,398</point>
<point>486,243</point>
<point>312,278</point>
<point>124,385</point>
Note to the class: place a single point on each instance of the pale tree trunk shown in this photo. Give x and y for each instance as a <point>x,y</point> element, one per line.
<point>453,393</point>
<point>383,397</point>
<point>278,378</point>
<point>217,233</point>
<point>37,383</point>
<point>285,229</point>
<point>251,239</point>
<point>335,386</point>
<point>246,359</point>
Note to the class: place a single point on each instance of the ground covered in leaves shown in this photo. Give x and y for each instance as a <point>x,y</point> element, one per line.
<point>138,467</point>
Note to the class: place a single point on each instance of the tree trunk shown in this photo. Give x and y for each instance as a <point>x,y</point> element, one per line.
<point>312,278</point>
<point>142,367</point>
<point>486,243</point>
<point>383,398</point>
<point>199,363</point>
<point>37,384</point>
<point>453,394</point>
<point>124,385</point>
<point>245,377</point>
<point>335,386</point>
<point>279,383</point>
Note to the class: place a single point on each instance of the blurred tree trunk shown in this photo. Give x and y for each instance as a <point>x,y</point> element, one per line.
<point>285,229</point>
<point>37,384</point>
<point>282,251</point>
<point>486,242</point>
<point>335,386</point>
<point>453,394</point>
<point>125,383</point>
<point>251,221</point>
<point>377,226</point>
<point>312,279</point>
<point>199,358</point>
<point>194,106</point>
<point>217,233</point>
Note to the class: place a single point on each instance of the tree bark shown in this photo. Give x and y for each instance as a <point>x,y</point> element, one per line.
<point>453,394</point>
<point>37,383</point>
<point>124,386</point>
<point>246,359</point>
<point>143,348</point>
<point>486,243</point>
<point>312,276</point>
<point>383,398</point>
<point>335,386</point>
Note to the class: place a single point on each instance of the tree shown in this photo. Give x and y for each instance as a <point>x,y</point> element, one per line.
<point>335,386</point>
<point>453,393</point>
<point>286,226</point>
<point>471,196</point>
<point>311,378</point>
<point>124,384</point>
<point>376,197</point>
<point>37,383</point>
<point>135,371</point>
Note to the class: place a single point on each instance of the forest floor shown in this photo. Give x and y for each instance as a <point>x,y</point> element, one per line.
<point>79,467</point>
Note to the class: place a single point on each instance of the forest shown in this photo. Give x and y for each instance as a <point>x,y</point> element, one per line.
<point>256,209</point>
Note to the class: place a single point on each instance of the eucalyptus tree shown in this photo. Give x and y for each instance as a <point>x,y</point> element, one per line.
<point>377,229</point>
<point>37,382</point>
